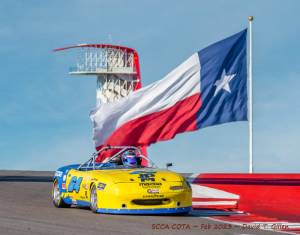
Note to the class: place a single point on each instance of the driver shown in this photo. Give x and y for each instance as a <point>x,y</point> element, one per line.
<point>131,159</point>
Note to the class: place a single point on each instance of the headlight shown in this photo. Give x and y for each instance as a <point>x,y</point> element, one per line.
<point>176,187</point>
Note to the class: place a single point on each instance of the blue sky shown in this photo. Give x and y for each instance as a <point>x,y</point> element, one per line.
<point>44,118</point>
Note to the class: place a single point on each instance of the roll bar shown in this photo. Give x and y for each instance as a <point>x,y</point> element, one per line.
<point>91,162</point>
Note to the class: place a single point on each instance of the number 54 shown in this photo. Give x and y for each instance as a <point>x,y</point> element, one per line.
<point>74,184</point>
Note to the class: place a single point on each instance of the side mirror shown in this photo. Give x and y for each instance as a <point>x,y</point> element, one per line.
<point>169,164</point>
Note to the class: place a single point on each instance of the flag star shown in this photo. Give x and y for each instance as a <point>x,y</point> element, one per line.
<point>223,83</point>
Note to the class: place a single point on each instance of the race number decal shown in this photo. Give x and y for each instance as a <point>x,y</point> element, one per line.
<point>147,177</point>
<point>74,184</point>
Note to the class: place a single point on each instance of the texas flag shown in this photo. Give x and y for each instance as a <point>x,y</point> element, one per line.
<point>209,88</point>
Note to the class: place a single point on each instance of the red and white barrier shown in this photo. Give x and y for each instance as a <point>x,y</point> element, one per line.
<point>264,198</point>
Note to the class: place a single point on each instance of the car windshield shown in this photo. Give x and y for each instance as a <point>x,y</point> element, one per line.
<point>124,158</point>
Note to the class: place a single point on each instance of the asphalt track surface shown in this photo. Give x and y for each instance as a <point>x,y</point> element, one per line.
<point>26,208</point>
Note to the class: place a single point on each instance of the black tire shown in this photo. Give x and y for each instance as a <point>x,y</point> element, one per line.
<point>94,199</point>
<point>57,198</point>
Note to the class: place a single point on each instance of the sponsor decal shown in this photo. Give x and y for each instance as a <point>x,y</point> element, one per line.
<point>63,186</point>
<point>153,190</point>
<point>153,196</point>
<point>64,178</point>
<point>101,186</point>
<point>151,185</point>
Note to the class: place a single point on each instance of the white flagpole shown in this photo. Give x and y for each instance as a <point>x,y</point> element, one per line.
<point>250,114</point>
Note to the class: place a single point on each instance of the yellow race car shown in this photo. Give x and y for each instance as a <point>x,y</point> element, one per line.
<point>122,185</point>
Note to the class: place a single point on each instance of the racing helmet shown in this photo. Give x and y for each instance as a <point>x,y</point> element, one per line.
<point>130,158</point>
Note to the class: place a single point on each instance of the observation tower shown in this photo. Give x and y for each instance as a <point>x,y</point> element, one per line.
<point>116,68</point>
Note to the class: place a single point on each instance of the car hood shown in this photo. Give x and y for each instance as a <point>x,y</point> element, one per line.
<point>145,175</point>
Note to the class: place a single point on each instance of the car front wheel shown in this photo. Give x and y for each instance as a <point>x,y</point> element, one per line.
<point>94,199</point>
<point>56,196</point>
